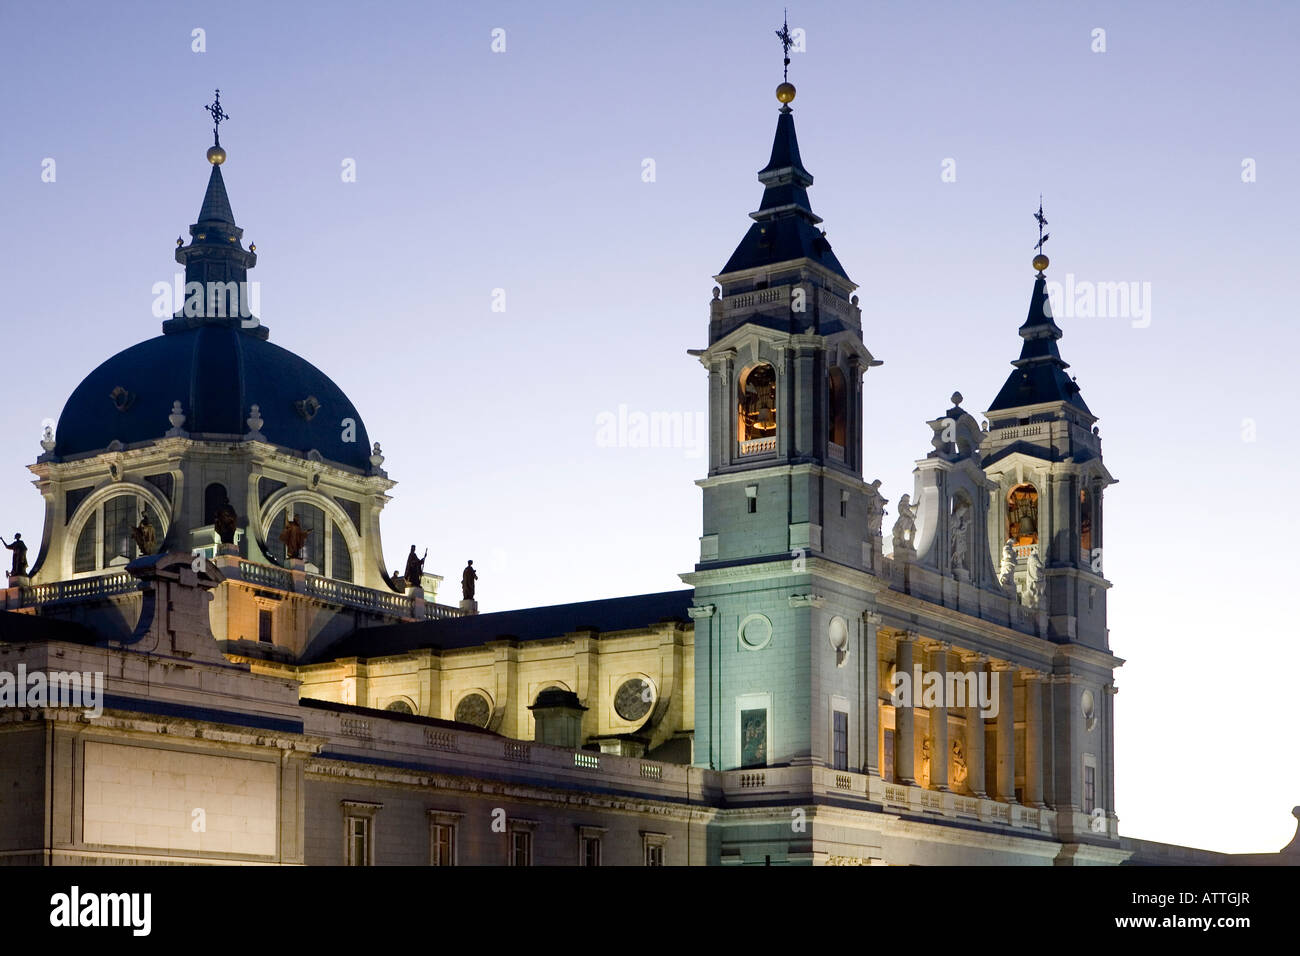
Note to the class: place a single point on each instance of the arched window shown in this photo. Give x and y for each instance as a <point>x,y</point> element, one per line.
<point>757,403</point>
<point>1022,515</point>
<point>837,409</point>
<point>214,496</point>
<point>400,706</point>
<point>106,538</point>
<point>325,551</point>
<point>1085,522</point>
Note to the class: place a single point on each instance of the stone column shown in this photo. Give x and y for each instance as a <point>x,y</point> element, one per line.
<point>1033,737</point>
<point>905,717</point>
<point>975,733</point>
<point>870,721</point>
<point>939,719</point>
<point>1006,731</point>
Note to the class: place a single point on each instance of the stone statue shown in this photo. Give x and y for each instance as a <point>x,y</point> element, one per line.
<point>415,567</point>
<point>905,526</point>
<point>957,762</point>
<point>1034,588</point>
<point>19,549</point>
<point>467,579</point>
<point>875,511</point>
<point>225,522</point>
<point>1007,569</point>
<point>294,536</point>
<point>145,535</point>
<point>960,521</point>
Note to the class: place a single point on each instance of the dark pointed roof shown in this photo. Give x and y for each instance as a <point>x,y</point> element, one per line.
<point>216,204</point>
<point>1040,371</point>
<point>785,227</point>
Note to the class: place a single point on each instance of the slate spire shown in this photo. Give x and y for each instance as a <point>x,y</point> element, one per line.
<point>215,253</point>
<point>1040,371</point>
<point>785,226</point>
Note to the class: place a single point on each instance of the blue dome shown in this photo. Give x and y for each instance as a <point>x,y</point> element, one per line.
<point>217,373</point>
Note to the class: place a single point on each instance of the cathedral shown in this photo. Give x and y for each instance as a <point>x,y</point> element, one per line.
<point>206,660</point>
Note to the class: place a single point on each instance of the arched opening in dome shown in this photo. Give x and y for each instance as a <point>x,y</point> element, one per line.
<point>110,535</point>
<point>214,496</point>
<point>325,551</point>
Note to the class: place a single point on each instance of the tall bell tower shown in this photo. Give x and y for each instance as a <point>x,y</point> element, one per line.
<point>786,551</point>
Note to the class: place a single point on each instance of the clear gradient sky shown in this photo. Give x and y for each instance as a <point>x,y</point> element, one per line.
<point>522,171</point>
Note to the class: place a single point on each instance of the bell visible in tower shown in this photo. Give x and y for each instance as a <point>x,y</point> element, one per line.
<point>758,403</point>
<point>1022,515</point>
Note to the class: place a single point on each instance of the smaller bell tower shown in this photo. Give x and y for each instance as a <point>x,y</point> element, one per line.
<point>1043,454</point>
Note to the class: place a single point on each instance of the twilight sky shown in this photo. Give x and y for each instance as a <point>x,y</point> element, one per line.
<point>931,130</point>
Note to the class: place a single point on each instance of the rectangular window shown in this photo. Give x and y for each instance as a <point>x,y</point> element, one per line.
<point>442,844</point>
<point>1089,789</point>
<point>358,831</point>
<point>264,625</point>
<point>840,740</point>
<point>521,848</point>
<point>753,738</point>
<point>591,851</point>
<point>654,855</point>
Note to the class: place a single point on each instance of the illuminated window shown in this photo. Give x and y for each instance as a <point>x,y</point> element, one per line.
<point>1022,515</point>
<point>1085,520</point>
<point>837,415</point>
<point>757,403</point>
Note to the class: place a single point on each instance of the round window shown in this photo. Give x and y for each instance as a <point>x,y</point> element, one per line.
<point>473,709</point>
<point>634,697</point>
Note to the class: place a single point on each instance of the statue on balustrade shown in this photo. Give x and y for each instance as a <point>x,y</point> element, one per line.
<point>467,579</point>
<point>19,548</point>
<point>145,535</point>
<point>225,521</point>
<point>1007,570</point>
<point>415,567</point>
<point>905,525</point>
<point>294,536</point>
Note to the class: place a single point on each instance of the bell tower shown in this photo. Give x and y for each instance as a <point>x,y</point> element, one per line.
<point>1043,452</point>
<point>790,531</point>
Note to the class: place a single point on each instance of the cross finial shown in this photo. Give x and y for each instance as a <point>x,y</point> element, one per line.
<point>1042,221</point>
<point>783,35</point>
<point>218,114</point>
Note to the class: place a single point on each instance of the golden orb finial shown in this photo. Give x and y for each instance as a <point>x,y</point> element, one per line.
<point>216,155</point>
<point>1041,262</point>
<point>785,92</point>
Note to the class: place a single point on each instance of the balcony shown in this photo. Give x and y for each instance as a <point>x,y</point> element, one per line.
<point>758,446</point>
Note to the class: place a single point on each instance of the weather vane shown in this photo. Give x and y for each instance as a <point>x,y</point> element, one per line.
<point>1041,261</point>
<point>783,35</point>
<point>218,114</point>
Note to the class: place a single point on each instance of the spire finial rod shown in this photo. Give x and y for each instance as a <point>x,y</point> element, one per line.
<point>1041,261</point>
<point>218,115</point>
<point>787,41</point>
